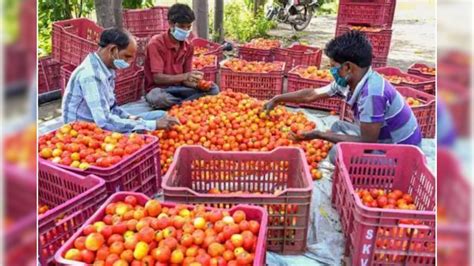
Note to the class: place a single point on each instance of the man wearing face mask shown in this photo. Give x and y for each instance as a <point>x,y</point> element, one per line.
<point>380,111</point>
<point>89,94</point>
<point>168,63</point>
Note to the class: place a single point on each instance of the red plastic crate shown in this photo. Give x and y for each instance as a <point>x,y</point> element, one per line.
<point>48,74</point>
<point>128,83</point>
<point>457,99</point>
<point>366,229</point>
<point>296,82</point>
<point>195,171</point>
<point>210,72</point>
<point>142,42</point>
<point>139,172</point>
<point>298,55</point>
<point>262,86</point>
<point>425,113</point>
<point>72,198</point>
<point>146,22</point>
<point>380,39</point>
<point>213,48</point>
<point>421,84</point>
<point>256,54</point>
<point>379,62</point>
<point>368,13</point>
<point>251,212</point>
<point>74,39</point>
<point>453,198</point>
<point>415,70</point>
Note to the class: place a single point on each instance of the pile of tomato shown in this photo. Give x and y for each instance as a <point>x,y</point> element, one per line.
<point>200,50</point>
<point>240,65</point>
<point>380,198</point>
<point>20,149</point>
<point>201,61</point>
<point>82,144</point>
<point>235,122</point>
<point>263,44</point>
<point>312,72</point>
<point>132,234</point>
<point>394,79</point>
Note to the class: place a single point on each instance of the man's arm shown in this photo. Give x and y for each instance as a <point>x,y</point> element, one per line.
<point>369,134</point>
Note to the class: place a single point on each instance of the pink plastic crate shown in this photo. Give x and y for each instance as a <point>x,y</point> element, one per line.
<point>256,54</point>
<point>210,72</point>
<point>72,198</point>
<point>296,82</point>
<point>368,13</point>
<point>415,69</point>
<point>380,39</point>
<point>379,62</point>
<point>454,216</point>
<point>252,213</point>
<point>457,99</point>
<point>139,172</point>
<point>298,55</point>
<point>195,171</point>
<point>378,236</point>
<point>213,48</point>
<point>146,22</point>
<point>74,39</point>
<point>128,83</point>
<point>262,86</point>
<point>48,74</point>
<point>424,113</point>
<point>419,83</point>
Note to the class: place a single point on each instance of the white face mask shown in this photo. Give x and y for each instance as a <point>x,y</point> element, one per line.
<point>120,63</point>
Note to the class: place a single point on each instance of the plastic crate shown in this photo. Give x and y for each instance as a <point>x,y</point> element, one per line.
<point>367,13</point>
<point>146,22</point>
<point>379,62</point>
<point>251,212</point>
<point>72,198</point>
<point>262,86</point>
<point>74,39</point>
<point>142,42</point>
<point>298,55</point>
<point>256,54</point>
<point>382,166</point>
<point>139,172</point>
<point>415,70</point>
<point>380,39</point>
<point>453,199</point>
<point>425,113</point>
<point>458,105</point>
<point>296,82</point>
<point>210,72</point>
<point>128,83</point>
<point>213,48</point>
<point>195,171</point>
<point>48,74</point>
<point>421,84</point>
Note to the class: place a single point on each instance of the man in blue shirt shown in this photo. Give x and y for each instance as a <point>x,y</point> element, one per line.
<point>89,94</point>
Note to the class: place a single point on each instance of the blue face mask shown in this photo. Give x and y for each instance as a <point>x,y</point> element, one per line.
<point>341,81</point>
<point>120,63</point>
<point>180,34</point>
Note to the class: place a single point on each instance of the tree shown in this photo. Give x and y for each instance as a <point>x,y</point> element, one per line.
<point>219,20</point>
<point>109,13</point>
<point>201,10</point>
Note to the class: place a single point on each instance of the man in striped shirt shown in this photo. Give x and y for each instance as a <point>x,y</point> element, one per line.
<point>380,111</point>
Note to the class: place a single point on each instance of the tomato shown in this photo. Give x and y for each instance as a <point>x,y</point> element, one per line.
<point>382,201</point>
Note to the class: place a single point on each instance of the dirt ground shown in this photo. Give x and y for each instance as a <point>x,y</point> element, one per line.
<point>413,40</point>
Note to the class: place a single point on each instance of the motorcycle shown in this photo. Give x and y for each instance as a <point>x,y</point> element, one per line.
<point>297,13</point>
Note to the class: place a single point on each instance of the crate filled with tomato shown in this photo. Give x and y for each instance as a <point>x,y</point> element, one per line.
<point>298,54</point>
<point>422,70</point>
<point>399,79</point>
<point>206,64</point>
<point>132,229</point>
<point>305,77</point>
<point>125,162</point>
<point>259,49</point>
<point>234,121</point>
<point>278,180</point>
<point>258,79</point>
<point>385,195</point>
<point>205,47</point>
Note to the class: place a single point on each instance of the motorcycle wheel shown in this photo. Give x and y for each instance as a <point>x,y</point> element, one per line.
<point>308,16</point>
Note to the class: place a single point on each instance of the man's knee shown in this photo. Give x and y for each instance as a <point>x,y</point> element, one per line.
<point>332,154</point>
<point>214,90</point>
<point>337,126</point>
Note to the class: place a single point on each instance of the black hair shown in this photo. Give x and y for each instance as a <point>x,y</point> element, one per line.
<point>181,13</point>
<point>119,37</point>
<point>352,46</point>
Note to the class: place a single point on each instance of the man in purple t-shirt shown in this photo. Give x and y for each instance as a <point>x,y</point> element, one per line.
<point>380,111</point>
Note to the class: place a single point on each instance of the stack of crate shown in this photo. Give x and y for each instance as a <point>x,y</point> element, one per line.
<point>374,18</point>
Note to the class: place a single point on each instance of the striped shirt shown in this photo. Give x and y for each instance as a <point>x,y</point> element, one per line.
<point>375,100</point>
<point>89,96</point>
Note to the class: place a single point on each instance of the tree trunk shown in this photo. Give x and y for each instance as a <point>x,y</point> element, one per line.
<point>219,20</point>
<point>104,12</point>
<point>117,9</point>
<point>257,6</point>
<point>201,25</point>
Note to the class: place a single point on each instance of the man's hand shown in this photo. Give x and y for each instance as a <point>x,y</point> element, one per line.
<point>134,117</point>
<point>308,135</point>
<point>167,122</point>
<point>190,84</point>
<point>194,76</point>
<point>270,105</point>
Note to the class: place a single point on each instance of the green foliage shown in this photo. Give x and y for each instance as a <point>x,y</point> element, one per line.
<point>329,7</point>
<point>135,4</point>
<point>10,25</point>
<point>240,23</point>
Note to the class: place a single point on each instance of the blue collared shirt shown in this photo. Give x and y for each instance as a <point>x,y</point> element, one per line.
<point>89,96</point>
